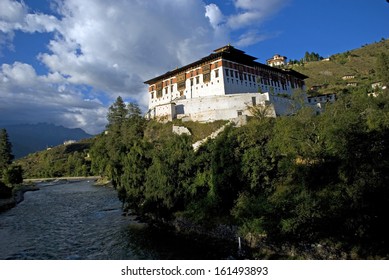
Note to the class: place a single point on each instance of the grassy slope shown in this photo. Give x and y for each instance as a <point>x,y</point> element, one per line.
<point>33,163</point>
<point>359,62</point>
<point>198,130</point>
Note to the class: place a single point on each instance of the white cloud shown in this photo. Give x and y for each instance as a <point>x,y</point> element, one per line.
<point>11,12</point>
<point>101,49</point>
<point>254,12</point>
<point>115,46</point>
<point>29,98</point>
<point>215,16</point>
<point>250,38</point>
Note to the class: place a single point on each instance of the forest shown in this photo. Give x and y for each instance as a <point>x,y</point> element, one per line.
<point>304,179</point>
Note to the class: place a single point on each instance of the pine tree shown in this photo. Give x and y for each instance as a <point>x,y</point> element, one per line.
<point>117,113</point>
<point>6,155</point>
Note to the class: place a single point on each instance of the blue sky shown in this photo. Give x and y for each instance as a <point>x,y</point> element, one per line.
<point>66,61</point>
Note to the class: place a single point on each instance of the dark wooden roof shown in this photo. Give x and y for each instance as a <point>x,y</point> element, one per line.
<point>229,53</point>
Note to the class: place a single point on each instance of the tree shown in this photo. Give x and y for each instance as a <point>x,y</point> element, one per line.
<point>117,113</point>
<point>13,175</point>
<point>261,111</point>
<point>312,57</point>
<point>6,155</point>
<point>382,68</point>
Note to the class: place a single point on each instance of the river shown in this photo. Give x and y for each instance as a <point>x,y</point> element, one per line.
<point>81,221</point>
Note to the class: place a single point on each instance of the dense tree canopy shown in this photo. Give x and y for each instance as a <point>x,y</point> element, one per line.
<point>303,178</point>
<point>10,175</point>
<point>6,155</point>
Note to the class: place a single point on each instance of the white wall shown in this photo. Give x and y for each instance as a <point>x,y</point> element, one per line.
<point>212,108</point>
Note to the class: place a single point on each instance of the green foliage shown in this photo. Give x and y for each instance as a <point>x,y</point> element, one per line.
<point>308,57</point>
<point>13,175</point>
<point>260,111</point>
<point>382,68</point>
<point>60,161</point>
<point>303,178</point>
<point>6,155</point>
<point>361,63</point>
<point>10,174</point>
<point>117,113</point>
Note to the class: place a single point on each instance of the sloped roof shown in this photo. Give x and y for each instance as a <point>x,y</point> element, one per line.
<point>230,53</point>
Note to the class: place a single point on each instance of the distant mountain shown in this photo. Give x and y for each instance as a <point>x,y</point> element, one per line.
<point>30,138</point>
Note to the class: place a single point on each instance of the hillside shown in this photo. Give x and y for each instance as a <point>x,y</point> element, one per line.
<point>59,161</point>
<point>30,138</point>
<point>359,65</point>
<point>73,159</point>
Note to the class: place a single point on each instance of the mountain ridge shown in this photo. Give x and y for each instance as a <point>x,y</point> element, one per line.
<point>30,138</point>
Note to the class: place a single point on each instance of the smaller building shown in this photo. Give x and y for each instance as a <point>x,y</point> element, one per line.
<point>317,87</point>
<point>321,99</point>
<point>69,142</point>
<point>348,77</point>
<point>377,86</point>
<point>352,84</point>
<point>276,60</point>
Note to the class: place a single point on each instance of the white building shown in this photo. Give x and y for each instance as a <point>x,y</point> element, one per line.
<point>276,60</point>
<point>317,100</point>
<point>221,86</point>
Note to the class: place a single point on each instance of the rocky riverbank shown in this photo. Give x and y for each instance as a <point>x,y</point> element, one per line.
<point>17,197</point>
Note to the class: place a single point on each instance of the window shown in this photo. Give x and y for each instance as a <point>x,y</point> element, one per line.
<point>217,73</point>
<point>181,86</point>
<point>191,82</point>
<point>227,72</point>
<point>171,88</point>
<point>206,77</point>
<point>197,79</point>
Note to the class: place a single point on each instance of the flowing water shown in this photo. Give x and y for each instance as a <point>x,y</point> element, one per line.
<point>81,221</point>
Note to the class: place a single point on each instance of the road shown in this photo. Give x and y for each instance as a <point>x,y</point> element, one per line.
<point>34,180</point>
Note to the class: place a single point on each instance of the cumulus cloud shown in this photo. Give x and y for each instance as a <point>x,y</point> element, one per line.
<point>101,49</point>
<point>115,46</point>
<point>248,16</point>
<point>11,13</point>
<point>215,16</point>
<point>28,97</point>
